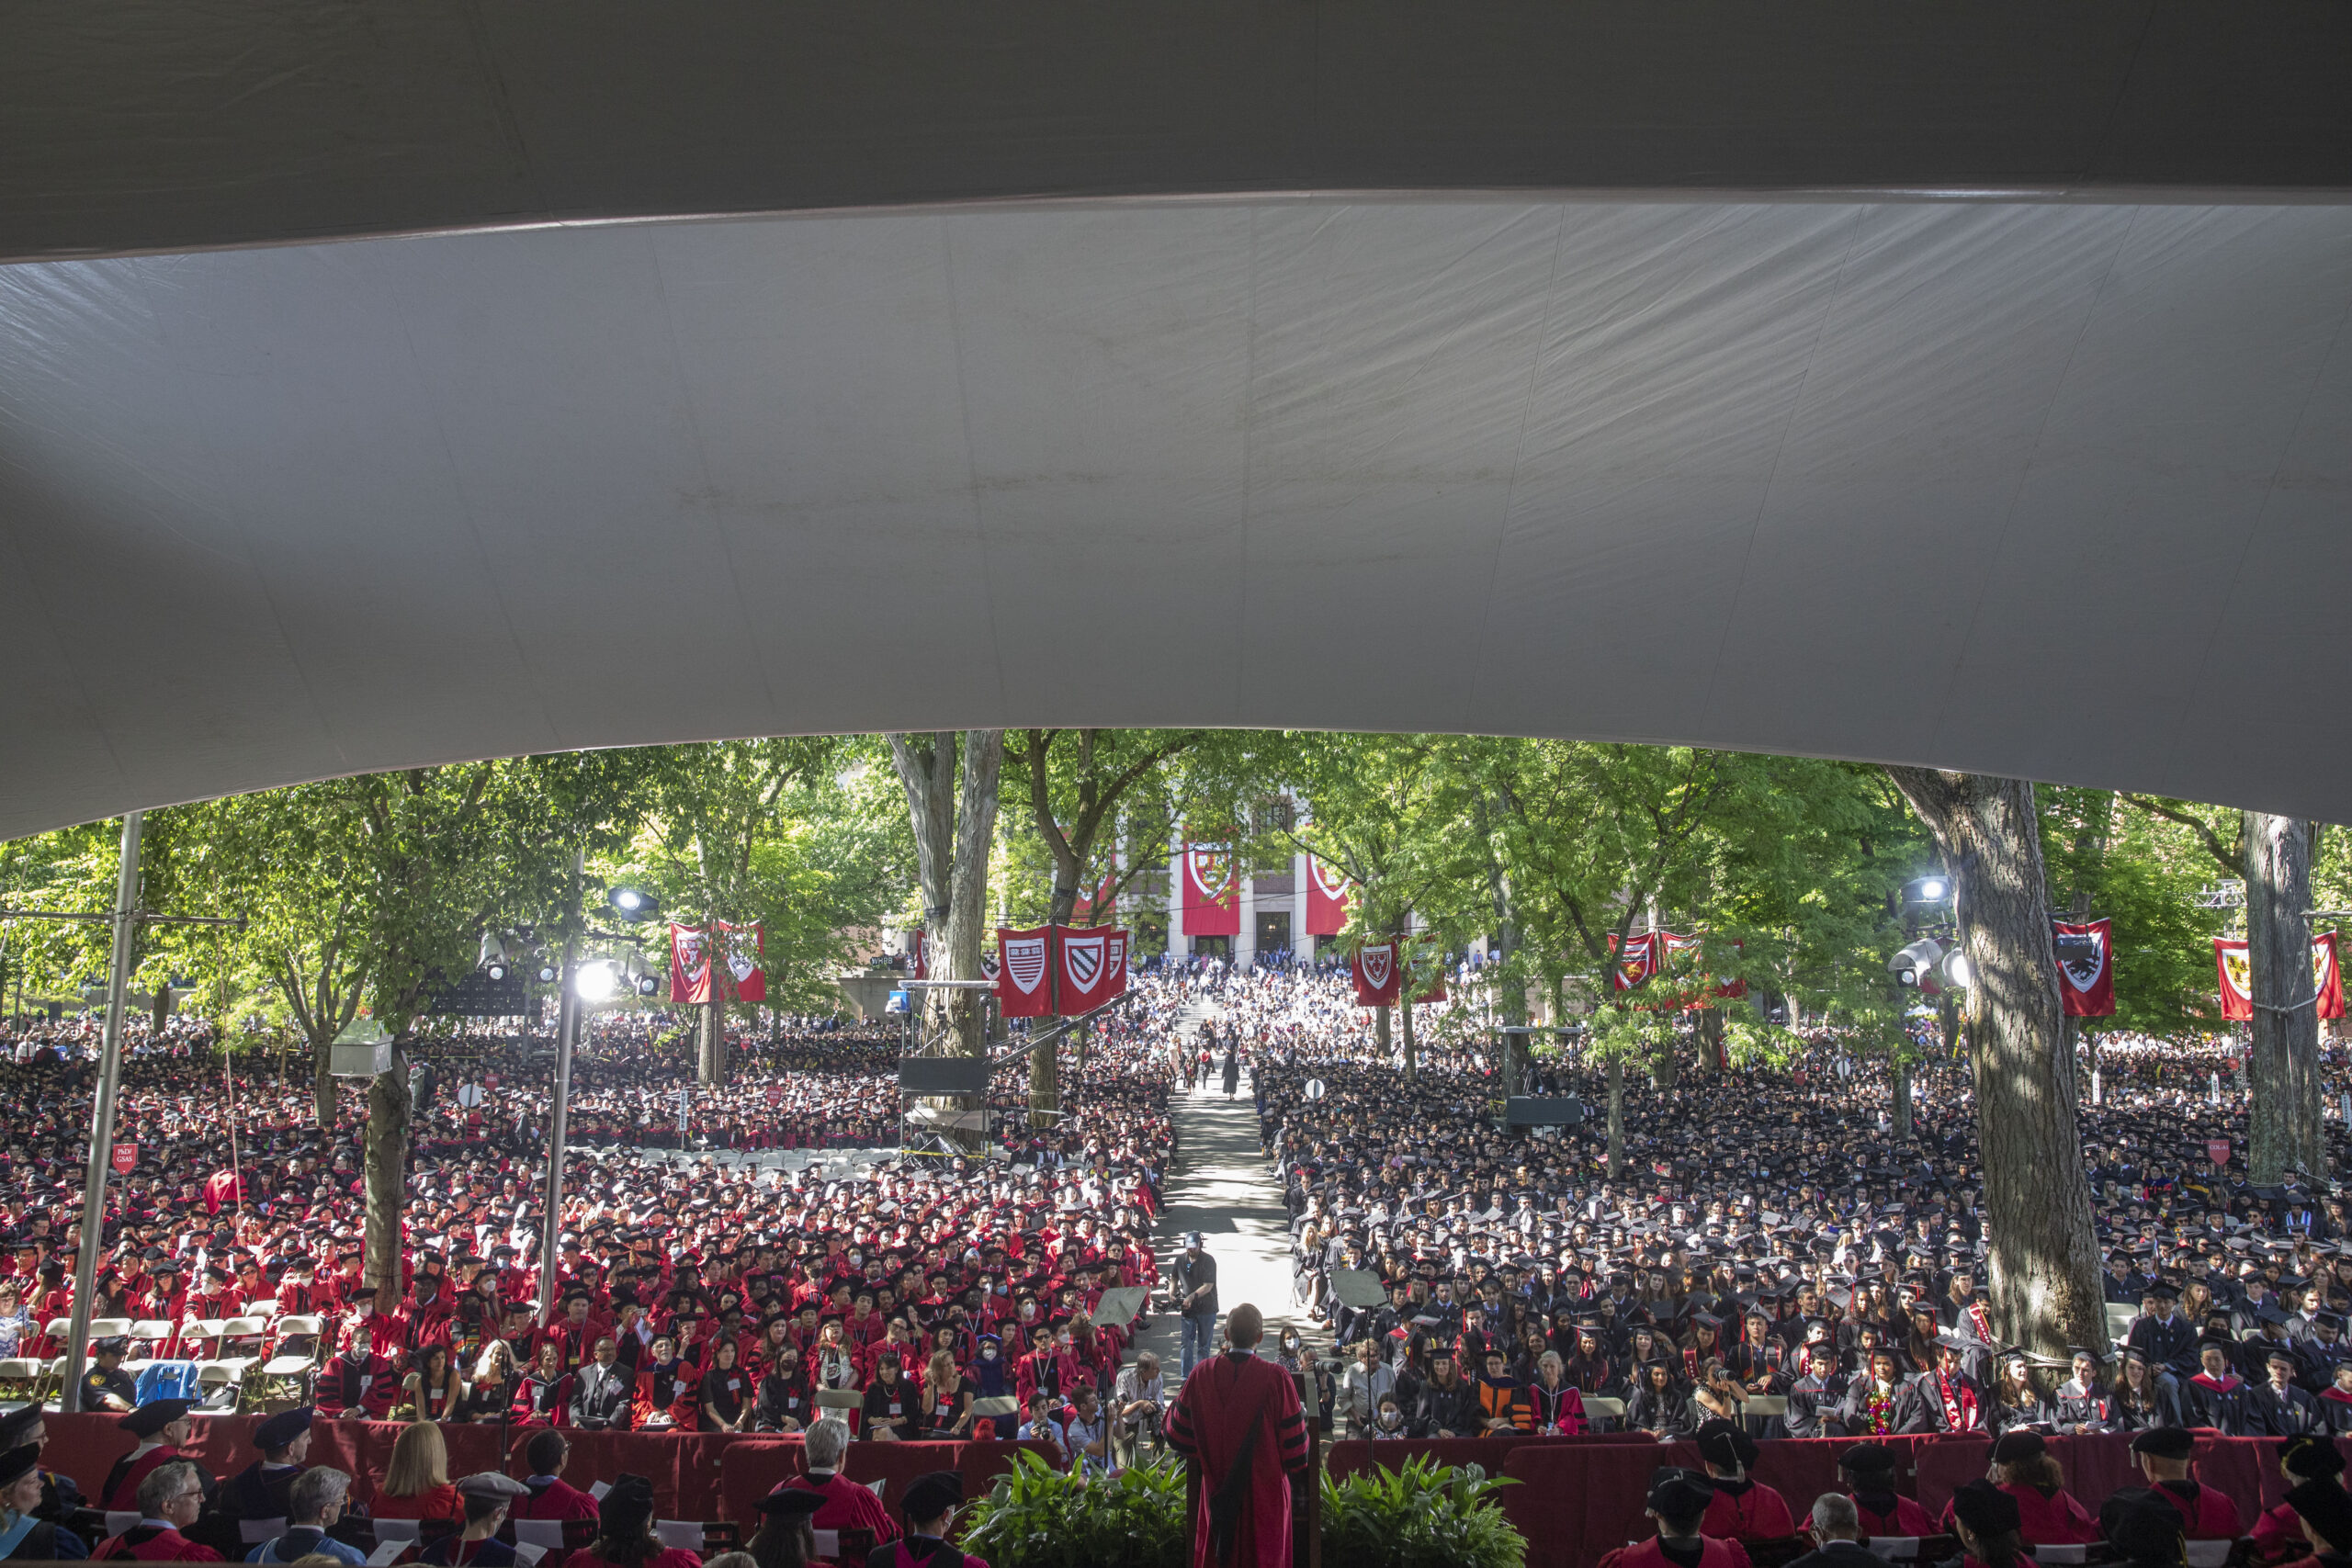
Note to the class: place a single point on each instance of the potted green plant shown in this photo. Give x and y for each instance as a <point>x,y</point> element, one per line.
<point>1419,1515</point>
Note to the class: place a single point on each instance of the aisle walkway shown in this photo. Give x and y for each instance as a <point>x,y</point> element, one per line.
<point>1222,1187</point>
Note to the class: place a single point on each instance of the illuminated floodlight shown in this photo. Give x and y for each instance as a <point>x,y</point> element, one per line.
<point>596,981</point>
<point>633,903</point>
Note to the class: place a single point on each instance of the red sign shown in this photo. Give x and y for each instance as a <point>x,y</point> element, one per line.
<point>1327,892</point>
<point>1636,962</point>
<point>743,948</point>
<point>2237,967</point>
<point>1378,975</point>
<point>1025,972</point>
<point>126,1155</point>
<point>1212,890</point>
<point>775,1094</point>
<point>1092,968</point>
<point>2218,1150</point>
<point>922,969</point>
<point>2086,979</point>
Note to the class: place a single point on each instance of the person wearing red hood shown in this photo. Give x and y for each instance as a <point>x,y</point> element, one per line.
<point>2163,1457</point>
<point>2024,1470</point>
<point>1867,1470</point>
<point>169,1499</point>
<point>1677,1501</point>
<point>2303,1460</point>
<point>1743,1508</point>
<point>848,1505</point>
<point>162,1425</point>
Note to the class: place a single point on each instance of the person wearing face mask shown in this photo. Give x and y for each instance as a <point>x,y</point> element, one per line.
<point>1388,1419</point>
<point>992,1378</point>
<point>785,1396</point>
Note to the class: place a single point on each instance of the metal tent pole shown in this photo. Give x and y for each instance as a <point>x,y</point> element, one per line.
<point>567,1020</point>
<point>93,1199</point>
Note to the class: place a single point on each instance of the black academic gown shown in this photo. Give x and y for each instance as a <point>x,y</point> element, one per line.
<point>258,1491</point>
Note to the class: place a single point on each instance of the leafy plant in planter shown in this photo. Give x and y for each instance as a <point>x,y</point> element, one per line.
<point>1038,1517</point>
<point>1420,1515</point>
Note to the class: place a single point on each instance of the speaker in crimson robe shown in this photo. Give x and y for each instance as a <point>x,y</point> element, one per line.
<point>1227,1399</point>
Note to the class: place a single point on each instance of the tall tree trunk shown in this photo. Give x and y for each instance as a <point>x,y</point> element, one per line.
<point>2283,1060</point>
<point>2045,1262</point>
<point>1382,1039</point>
<point>162,1013</point>
<point>711,1041</point>
<point>952,809</point>
<point>1044,1076</point>
<point>1616,1118</point>
<point>322,1088</point>
<point>1412,1047</point>
<point>387,1174</point>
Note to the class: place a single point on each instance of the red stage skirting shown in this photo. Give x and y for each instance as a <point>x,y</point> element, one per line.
<point>1578,1497</point>
<point>695,1475</point>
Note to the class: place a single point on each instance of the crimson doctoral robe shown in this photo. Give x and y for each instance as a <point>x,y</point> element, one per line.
<point>1226,1398</point>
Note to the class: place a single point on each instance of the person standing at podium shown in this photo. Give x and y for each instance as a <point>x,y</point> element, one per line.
<point>1241,1417</point>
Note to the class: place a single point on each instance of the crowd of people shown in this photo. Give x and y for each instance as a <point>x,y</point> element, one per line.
<point>1752,1265</point>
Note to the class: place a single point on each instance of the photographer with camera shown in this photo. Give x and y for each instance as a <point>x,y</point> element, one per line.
<point>1139,1402</point>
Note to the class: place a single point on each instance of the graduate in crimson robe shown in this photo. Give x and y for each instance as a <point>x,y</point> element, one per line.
<point>1241,1417</point>
<point>2279,1531</point>
<point>161,1426</point>
<point>2162,1455</point>
<point>1677,1501</point>
<point>1743,1508</point>
<point>1867,1472</point>
<point>2048,1513</point>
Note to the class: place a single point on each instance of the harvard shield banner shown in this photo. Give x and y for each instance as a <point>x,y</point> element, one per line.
<point>2237,977</point>
<point>1327,892</point>
<point>744,948</point>
<point>1378,975</point>
<point>1093,967</point>
<point>1025,972</point>
<point>2218,1150</point>
<point>1636,961</point>
<point>2086,968</point>
<point>689,964</point>
<point>1212,887</point>
<point>2327,977</point>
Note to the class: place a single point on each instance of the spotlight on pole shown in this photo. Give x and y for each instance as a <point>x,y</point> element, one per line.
<point>596,981</point>
<point>1926,890</point>
<point>493,962</point>
<point>1956,968</point>
<point>633,904</point>
<point>1915,961</point>
<point>547,972</point>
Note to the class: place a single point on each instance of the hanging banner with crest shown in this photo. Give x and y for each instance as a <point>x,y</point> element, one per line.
<point>1024,975</point>
<point>1212,889</point>
<point>1635,961</point>
<point>1378,975</point>
<point>1091,967</point>
<point>2086,968</point>
<point>741,976</point>
<point>2236,970</point>
<point>1327,893</point>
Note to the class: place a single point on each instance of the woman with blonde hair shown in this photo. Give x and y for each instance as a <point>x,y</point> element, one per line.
<point>946,1399</point>
<point>416,1481</point>
<point>491,1392</point>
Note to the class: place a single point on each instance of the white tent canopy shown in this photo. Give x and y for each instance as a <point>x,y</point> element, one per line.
<point>2043,490</point>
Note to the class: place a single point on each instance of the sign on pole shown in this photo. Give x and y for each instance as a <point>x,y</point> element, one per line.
<point>685,1097</point>
<point>126,1157</point>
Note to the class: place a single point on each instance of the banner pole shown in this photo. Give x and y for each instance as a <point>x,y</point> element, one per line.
<point>93,1191</point>
<point>567,1020</point>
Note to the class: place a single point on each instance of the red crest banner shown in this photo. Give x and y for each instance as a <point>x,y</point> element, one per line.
<point>2237,977</point>
<point>1636,961</point>
<point>1378,975</point>
<point>1092,965</point>
<point>1212,890</point>
<point>2328,976</point>
<point>740,975</point>
<point>744,950</point>
<point>2086,980</point>
<point>1025,972</point>
<point>689,964</point>
<point>2218,1150</point>
<point>1327,893</point>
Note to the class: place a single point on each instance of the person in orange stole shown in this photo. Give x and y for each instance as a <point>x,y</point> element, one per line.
<point>1678,1502</point>
<point>1239,1417</point>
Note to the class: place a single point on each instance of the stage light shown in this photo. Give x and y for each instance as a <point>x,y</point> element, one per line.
<point>495,969</point>
<point>633,904</point>
<point>648,985</point>
<point>596,981</point>
<point>1912,963</point>
<point>1956,968</point>
<point>547,972</point>
<point>492,951</point>
<point>1926,889</point>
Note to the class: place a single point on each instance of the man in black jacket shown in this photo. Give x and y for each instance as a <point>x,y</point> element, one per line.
<point>1839,1530</point>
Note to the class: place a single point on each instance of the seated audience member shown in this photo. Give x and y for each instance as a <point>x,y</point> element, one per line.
<point>1743,1508</point>
<point>2163,1458</point>
<point>1867,1472</point>
<point>1986,1518</point>
<point>1839,1531</point>
<point>488,1496</point>
<point>314,1504</point>
<point>170,1498</point>
<point>1678,1502</point>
